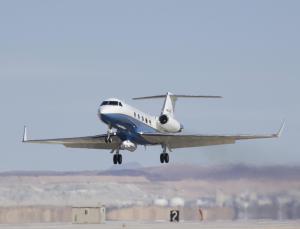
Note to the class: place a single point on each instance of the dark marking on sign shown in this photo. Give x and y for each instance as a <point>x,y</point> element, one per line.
<point>174,216</point>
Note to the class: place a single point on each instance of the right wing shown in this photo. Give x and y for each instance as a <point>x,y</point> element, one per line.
<point>174,141</point>
<point>89,142</point>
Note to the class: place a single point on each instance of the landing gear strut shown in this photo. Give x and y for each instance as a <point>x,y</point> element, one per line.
<point>108,138</point>
<point>164,156</point>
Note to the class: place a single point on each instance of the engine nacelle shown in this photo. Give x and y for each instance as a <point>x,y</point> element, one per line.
<point>169,124</point>
<point>128,145</point>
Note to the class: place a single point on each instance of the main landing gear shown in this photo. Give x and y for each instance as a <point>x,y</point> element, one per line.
<point>164,156</point>
<point>117,159</point>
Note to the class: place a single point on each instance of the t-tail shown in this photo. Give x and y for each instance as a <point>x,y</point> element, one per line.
<point>170,101</point>
<point>166,120</point>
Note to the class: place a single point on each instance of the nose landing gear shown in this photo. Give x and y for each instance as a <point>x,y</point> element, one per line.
<point>108,138</point>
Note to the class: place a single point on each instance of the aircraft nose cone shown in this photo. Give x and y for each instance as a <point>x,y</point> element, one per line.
<point>102,113</point>
<point>104,117</point>
<point>103,110</point>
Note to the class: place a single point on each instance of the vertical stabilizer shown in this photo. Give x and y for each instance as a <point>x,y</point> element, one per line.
<point>169,104</point>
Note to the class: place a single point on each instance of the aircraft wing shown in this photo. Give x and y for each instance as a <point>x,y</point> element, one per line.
<point>89,142</point>
<point>174,141</point>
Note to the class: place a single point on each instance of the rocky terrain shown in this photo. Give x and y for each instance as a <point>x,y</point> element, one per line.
<point>244,191</point>
<point>141,186</point>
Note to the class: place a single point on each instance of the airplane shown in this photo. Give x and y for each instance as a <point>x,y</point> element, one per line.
<point>129,127</point>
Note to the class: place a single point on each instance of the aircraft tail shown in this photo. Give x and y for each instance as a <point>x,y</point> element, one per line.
<point>170,100</point>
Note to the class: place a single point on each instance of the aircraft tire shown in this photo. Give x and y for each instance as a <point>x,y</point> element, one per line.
<point>162,158</point>
<point>167,158</point>
<point>119,158</point>
<point>115,159</point>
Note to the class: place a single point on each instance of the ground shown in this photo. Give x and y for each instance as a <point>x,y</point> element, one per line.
<point>166,225</point>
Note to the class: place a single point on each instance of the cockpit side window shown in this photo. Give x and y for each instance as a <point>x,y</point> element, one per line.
<point>112,103</point>
<point>104,103</point>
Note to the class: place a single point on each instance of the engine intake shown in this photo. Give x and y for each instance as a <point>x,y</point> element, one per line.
<point>169,124</point>
<point>163,119</point>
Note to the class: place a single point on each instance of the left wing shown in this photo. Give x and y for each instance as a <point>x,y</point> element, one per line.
<point>174,141</point>
<point>89,142</point>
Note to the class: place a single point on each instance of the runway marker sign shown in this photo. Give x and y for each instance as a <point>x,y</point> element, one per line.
<point>174,216</point>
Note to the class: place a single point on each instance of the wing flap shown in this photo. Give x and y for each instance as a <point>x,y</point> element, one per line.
<point>182,141</point>
<point>112,145</point>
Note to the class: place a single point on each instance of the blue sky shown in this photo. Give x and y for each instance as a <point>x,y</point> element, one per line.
<point>60,59</point>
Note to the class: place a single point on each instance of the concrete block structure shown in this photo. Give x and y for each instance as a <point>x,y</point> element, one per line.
<point>88,214</point>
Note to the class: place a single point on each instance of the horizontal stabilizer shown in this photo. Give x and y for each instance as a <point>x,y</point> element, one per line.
<point>179,96</point>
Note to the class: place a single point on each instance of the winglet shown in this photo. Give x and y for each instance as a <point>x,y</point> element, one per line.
<point>278,134</point>
<point>25,135</point>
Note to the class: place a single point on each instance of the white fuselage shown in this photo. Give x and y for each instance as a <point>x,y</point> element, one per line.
<point>121,116</point>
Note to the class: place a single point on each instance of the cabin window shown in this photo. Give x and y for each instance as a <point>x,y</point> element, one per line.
<point>143,118</point>
<point>149,121</point>
<point>146,120</point>
<point>139,116</point>
<point>120,104</point>
<point>86,212</point>
<point>134,114</point>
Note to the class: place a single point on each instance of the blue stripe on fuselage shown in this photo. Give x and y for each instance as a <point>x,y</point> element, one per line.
<point>128,127</point>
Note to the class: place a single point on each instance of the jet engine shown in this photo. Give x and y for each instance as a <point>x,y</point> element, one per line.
<point>128,145</point>
<point>169,124</point>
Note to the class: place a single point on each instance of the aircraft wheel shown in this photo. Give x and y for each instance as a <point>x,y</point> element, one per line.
<point>115,159</point>
<point>162,158</point>
<point>119,158</point>
<point>167,158</point>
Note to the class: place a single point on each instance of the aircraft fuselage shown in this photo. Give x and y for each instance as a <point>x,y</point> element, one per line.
<point>129,122</point>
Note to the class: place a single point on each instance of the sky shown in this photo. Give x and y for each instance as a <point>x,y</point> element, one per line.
<point>60,59</point>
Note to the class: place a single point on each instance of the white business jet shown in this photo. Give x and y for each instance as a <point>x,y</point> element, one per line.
<point>129,127</point>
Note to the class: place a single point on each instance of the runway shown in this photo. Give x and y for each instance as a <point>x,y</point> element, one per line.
<point>165,225</point>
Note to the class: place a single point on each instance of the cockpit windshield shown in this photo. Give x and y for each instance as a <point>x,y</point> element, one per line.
<point>112,103</point>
